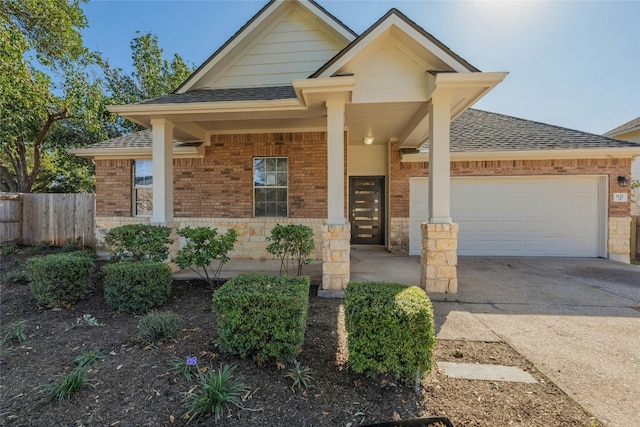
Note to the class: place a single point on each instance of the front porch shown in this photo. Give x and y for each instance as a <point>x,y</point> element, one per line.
<point>373,263</point>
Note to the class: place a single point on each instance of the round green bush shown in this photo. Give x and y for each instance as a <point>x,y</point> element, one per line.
<point>59,279</point>
<point>136,287</point>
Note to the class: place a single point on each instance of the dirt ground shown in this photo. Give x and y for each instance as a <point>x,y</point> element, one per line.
<point>135,386</point>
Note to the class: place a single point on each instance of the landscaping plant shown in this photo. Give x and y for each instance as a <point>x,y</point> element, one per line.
<point>204,245</point>
<point>262,316</point>
<point>89,358</point>
<point>300,375</point>
<point>17,277</point>
<point>390,329</point>
<point>293,244</point>
<point>139,242</point>
<point>188,366</point>
<point>136,287</point>
<point>217,391</point>
<point>16,331</point>
<point>59,279</point>
<point>63,386</point>
<point>157,326</point>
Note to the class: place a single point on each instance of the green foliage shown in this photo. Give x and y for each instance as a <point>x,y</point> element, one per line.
<point>136,287</point>
<point>262,316</point>
<point>204,245</point>
<point>158,326</point>
<point>293,244</point>
<point>38,249</point>
<point>16,331</point>
<point>90,358</point>
<point>390,327</point>
<point>17,277</point>
<point>139,242</point>
<point>8,250</point>
<point>300,375</point>
<point>186,366</point>
<point>64,386</point>
<point>152,77</point>
<point>217,391</point>
<point>86,319</point>
<point>59,279</point>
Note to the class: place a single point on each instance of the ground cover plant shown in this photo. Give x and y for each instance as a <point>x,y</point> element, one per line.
<point>135,384</point>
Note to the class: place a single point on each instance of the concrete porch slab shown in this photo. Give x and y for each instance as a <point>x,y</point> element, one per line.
<point>478,371</point>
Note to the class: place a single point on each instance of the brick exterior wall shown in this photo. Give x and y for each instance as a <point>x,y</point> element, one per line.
<point>113,187</point>
<point>401,172</point>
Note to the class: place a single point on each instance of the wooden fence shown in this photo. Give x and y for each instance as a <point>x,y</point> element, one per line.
<point>54,218</point>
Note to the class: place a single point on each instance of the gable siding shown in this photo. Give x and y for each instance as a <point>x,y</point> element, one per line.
<point>389,75</point>
<point>293,48</point>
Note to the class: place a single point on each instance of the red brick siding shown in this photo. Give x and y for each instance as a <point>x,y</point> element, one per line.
<point>113,187</point>
<point>401,172</point>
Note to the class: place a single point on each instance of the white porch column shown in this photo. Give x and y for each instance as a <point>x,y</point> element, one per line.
<point>335,161</point>
<point>439,159</point>
<point>336,233</point>
<point>162,155</point>
<point>439,257</point>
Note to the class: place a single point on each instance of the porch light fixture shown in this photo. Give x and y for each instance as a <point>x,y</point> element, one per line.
<point>368,140</point>
<point>623,181</point>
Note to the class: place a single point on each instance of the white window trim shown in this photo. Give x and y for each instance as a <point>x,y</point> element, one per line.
<point>134,187</point>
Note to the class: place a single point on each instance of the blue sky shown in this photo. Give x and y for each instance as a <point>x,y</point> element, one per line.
<point>572,63</point>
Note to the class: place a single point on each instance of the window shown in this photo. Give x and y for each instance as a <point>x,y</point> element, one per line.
<point>270,180</point>
<point>142,187</point>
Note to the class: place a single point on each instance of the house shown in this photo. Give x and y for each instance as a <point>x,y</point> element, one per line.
<point>630,131</point>
<point>370,140</point>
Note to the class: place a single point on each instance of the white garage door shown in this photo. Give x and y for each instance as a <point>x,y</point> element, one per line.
<point>520,216</point>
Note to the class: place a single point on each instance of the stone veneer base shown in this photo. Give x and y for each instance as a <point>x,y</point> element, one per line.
<point>439,258</point>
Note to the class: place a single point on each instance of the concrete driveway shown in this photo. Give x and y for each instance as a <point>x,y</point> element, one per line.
<point>577,320</point>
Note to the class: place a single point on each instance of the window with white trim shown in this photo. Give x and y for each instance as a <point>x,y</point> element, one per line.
<point>270,185</point>
<point>142,187</point>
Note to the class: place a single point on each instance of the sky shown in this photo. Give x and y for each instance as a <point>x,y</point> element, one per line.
<point>574,64</point>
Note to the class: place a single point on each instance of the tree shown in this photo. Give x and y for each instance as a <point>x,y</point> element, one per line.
<point>32,105</point>
<point>152,77</point>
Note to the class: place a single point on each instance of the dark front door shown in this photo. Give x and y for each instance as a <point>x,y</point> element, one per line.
<point>366,204</point>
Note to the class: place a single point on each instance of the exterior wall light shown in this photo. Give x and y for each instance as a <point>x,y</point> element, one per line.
<point>368,140</point>
<point>623,181</point>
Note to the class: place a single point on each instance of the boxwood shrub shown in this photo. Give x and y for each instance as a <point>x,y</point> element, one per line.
<point>59,279</point>
<point>136,287</point>
<point>262,316</point>
<point>390,329</point>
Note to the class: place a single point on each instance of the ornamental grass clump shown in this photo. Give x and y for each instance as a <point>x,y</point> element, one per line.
<point>64,386</point>
<point>215,392</point>
<point>136,287</point>
<point>159,326</point>
<point>262,316</point>
<point>390,329</point>
<point>187,367</point>
<point>59,279</point>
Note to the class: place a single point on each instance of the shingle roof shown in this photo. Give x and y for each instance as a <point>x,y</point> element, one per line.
<point>267,93</point>
<point>477,130</point>
<point>627,126</point>
<point>473,131</point>
<point>140,139</point>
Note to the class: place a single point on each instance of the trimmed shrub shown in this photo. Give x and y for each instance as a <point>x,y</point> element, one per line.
<point>390,329</point>
<point>262,316</point>
<point>136,287</point>
<point>139,242</point>
<point>59,279</point>
<point>157,326</point>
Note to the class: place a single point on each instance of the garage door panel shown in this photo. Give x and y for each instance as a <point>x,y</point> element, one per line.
<point>531,216</point>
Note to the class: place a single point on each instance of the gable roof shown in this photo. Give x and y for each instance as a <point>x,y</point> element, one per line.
<point>629,126</point>
<point>254,24</point>
<point>355,44</point>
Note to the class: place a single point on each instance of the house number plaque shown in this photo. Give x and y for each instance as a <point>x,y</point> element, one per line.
<point>620,197</point>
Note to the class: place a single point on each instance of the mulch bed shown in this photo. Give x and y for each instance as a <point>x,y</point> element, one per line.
<point>136,387</point>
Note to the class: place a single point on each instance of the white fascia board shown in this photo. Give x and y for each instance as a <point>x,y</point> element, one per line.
<point>206,107</point>
<point>581,153</point>
<point>475,79</point>
<point>622,132</point>
<point>136,153</point>
<point>306,87</point>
